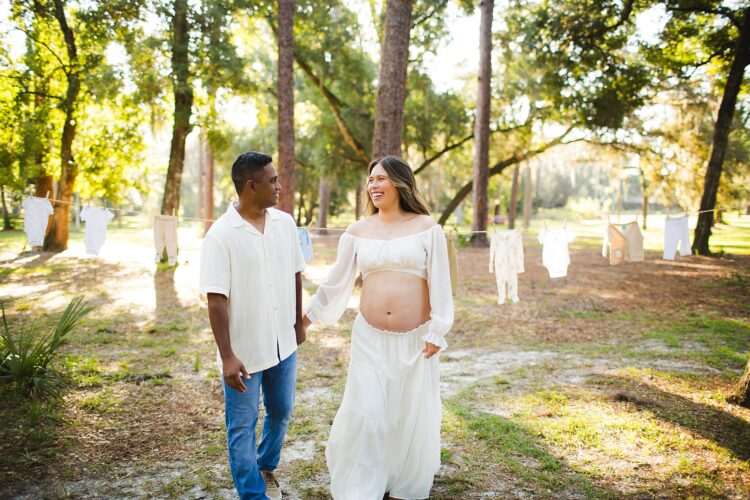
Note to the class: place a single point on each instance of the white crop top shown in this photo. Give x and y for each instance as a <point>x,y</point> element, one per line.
<point>424,254</point>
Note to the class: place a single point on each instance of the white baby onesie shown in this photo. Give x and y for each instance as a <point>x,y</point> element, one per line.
<point>555,254</point>
<point>36,216</point>
<point>97,219</point>
<point>506,261</point>
<point>676,232</point>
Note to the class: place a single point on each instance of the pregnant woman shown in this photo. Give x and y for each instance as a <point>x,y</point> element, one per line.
<point>386,434</point>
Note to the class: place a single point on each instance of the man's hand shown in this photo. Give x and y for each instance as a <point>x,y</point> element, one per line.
<point>234,371</point>
<point>301,331</point>
<point>430,349</point>
<point>306,322</point>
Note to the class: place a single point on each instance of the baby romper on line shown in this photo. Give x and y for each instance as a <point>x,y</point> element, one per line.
<point>305,243</point>
<point>96,219</point>
<point>555,253</point>
<point>35,219</point>
<point>506,261</point>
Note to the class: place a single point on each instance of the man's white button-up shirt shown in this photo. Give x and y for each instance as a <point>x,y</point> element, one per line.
<point>255,271</point>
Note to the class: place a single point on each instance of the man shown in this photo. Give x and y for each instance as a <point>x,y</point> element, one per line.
<point>250,271</point>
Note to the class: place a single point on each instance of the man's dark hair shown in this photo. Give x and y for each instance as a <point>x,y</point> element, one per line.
<point>247,166</point>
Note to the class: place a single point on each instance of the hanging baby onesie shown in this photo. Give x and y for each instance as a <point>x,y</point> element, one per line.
<point>555,254</point>
<point>506,261</point>
<point>625,243</point>
<point>450,240</point>
<point>35,219</point>
<point>96,219</point>
<point>305,243</point>
<point>165,236</point>
<point>676,234</point>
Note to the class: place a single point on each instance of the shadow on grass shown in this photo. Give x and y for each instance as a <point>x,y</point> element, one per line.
<point>502,458</point>
<point>722,428</point>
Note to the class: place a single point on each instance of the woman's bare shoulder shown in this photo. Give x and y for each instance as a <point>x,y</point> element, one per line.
<point>424,222</point>
<point>359,228</point>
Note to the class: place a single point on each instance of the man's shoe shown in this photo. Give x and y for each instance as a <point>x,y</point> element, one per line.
<point>273,491</point>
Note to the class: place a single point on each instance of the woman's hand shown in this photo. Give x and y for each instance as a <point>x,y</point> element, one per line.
<point>430,349</point>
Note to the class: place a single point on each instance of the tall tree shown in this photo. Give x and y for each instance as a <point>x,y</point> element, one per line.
<point>285,90</point>
<point>57,235</point>
<point>392,72</point>
<point>182,89</point>
<point>719,142</point>
<point>482,126</point>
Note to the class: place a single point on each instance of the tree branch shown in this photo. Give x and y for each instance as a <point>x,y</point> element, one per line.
<point>498,167</point>
<point>333,102</point>
<point>718,11</point>
<point>43,44</point>
<point>426,163</point>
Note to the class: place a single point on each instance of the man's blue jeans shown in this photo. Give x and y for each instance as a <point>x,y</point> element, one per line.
<point>245,462</point>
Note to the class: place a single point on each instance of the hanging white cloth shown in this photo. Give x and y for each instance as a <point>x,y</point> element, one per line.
<point>676,235</point>
<point>96,219</point>
<point>165,236</point>
<point>36,217</point>
<point>506,261</point>
<point>555,253</point>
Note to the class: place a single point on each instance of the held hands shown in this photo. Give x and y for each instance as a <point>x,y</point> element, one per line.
<point>430,349</point>
<point>300,330</point>
<point>234,371</point>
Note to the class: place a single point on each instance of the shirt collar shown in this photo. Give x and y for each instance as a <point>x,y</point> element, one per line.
<point>237,221</point>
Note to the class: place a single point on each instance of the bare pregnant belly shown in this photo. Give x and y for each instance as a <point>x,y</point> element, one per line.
<point>395,301</point>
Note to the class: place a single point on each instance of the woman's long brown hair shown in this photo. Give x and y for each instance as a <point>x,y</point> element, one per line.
<point>402,177</point>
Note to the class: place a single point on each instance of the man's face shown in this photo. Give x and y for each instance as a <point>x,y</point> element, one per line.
<point>266,188</point>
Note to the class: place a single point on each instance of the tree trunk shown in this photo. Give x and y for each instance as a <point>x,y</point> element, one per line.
<point>394,60</point>
<point>720,139</point>
<point>741,393</point>
<point>513,208</point>
<point>527,197</point>
<point>645,212</point>
<point>482,127</point>
<point>324,198</point>
<point>7,226</point>
<point>285,91</point>
<point>57,237</point>
<point>183,104</point>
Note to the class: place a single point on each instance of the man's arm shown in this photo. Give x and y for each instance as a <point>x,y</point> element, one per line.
<point>299,326</point>
<point>232,368</point>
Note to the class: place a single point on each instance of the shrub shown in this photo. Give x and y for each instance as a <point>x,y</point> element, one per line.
<point>26,357</point>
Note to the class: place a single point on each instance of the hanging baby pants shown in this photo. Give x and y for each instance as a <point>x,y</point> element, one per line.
<point>676,234</point>
<point>165,236</point>
<point>506,261</point>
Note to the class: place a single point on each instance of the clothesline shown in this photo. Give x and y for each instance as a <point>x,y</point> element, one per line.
<point>198,219</point>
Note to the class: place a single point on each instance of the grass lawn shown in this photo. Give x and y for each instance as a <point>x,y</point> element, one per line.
<point>608,383</point>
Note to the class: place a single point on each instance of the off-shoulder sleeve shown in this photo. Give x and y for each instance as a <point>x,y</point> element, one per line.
<point>329,302</point>
<point>439,282</point>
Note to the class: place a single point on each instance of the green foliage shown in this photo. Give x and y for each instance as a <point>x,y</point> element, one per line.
<point>27,355</point>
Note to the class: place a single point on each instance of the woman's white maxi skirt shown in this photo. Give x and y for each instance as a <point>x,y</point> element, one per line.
<point>386,434</point>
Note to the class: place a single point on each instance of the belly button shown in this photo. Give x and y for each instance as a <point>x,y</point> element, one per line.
<point>388,312</point>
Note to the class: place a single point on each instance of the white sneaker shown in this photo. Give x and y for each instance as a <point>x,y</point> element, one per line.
<point>273,490</point>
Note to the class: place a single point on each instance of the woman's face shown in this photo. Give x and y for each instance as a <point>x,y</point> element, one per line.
<point>380,188</point>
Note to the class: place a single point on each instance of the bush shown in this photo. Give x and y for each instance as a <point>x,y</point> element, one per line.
<point>26,357</point>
